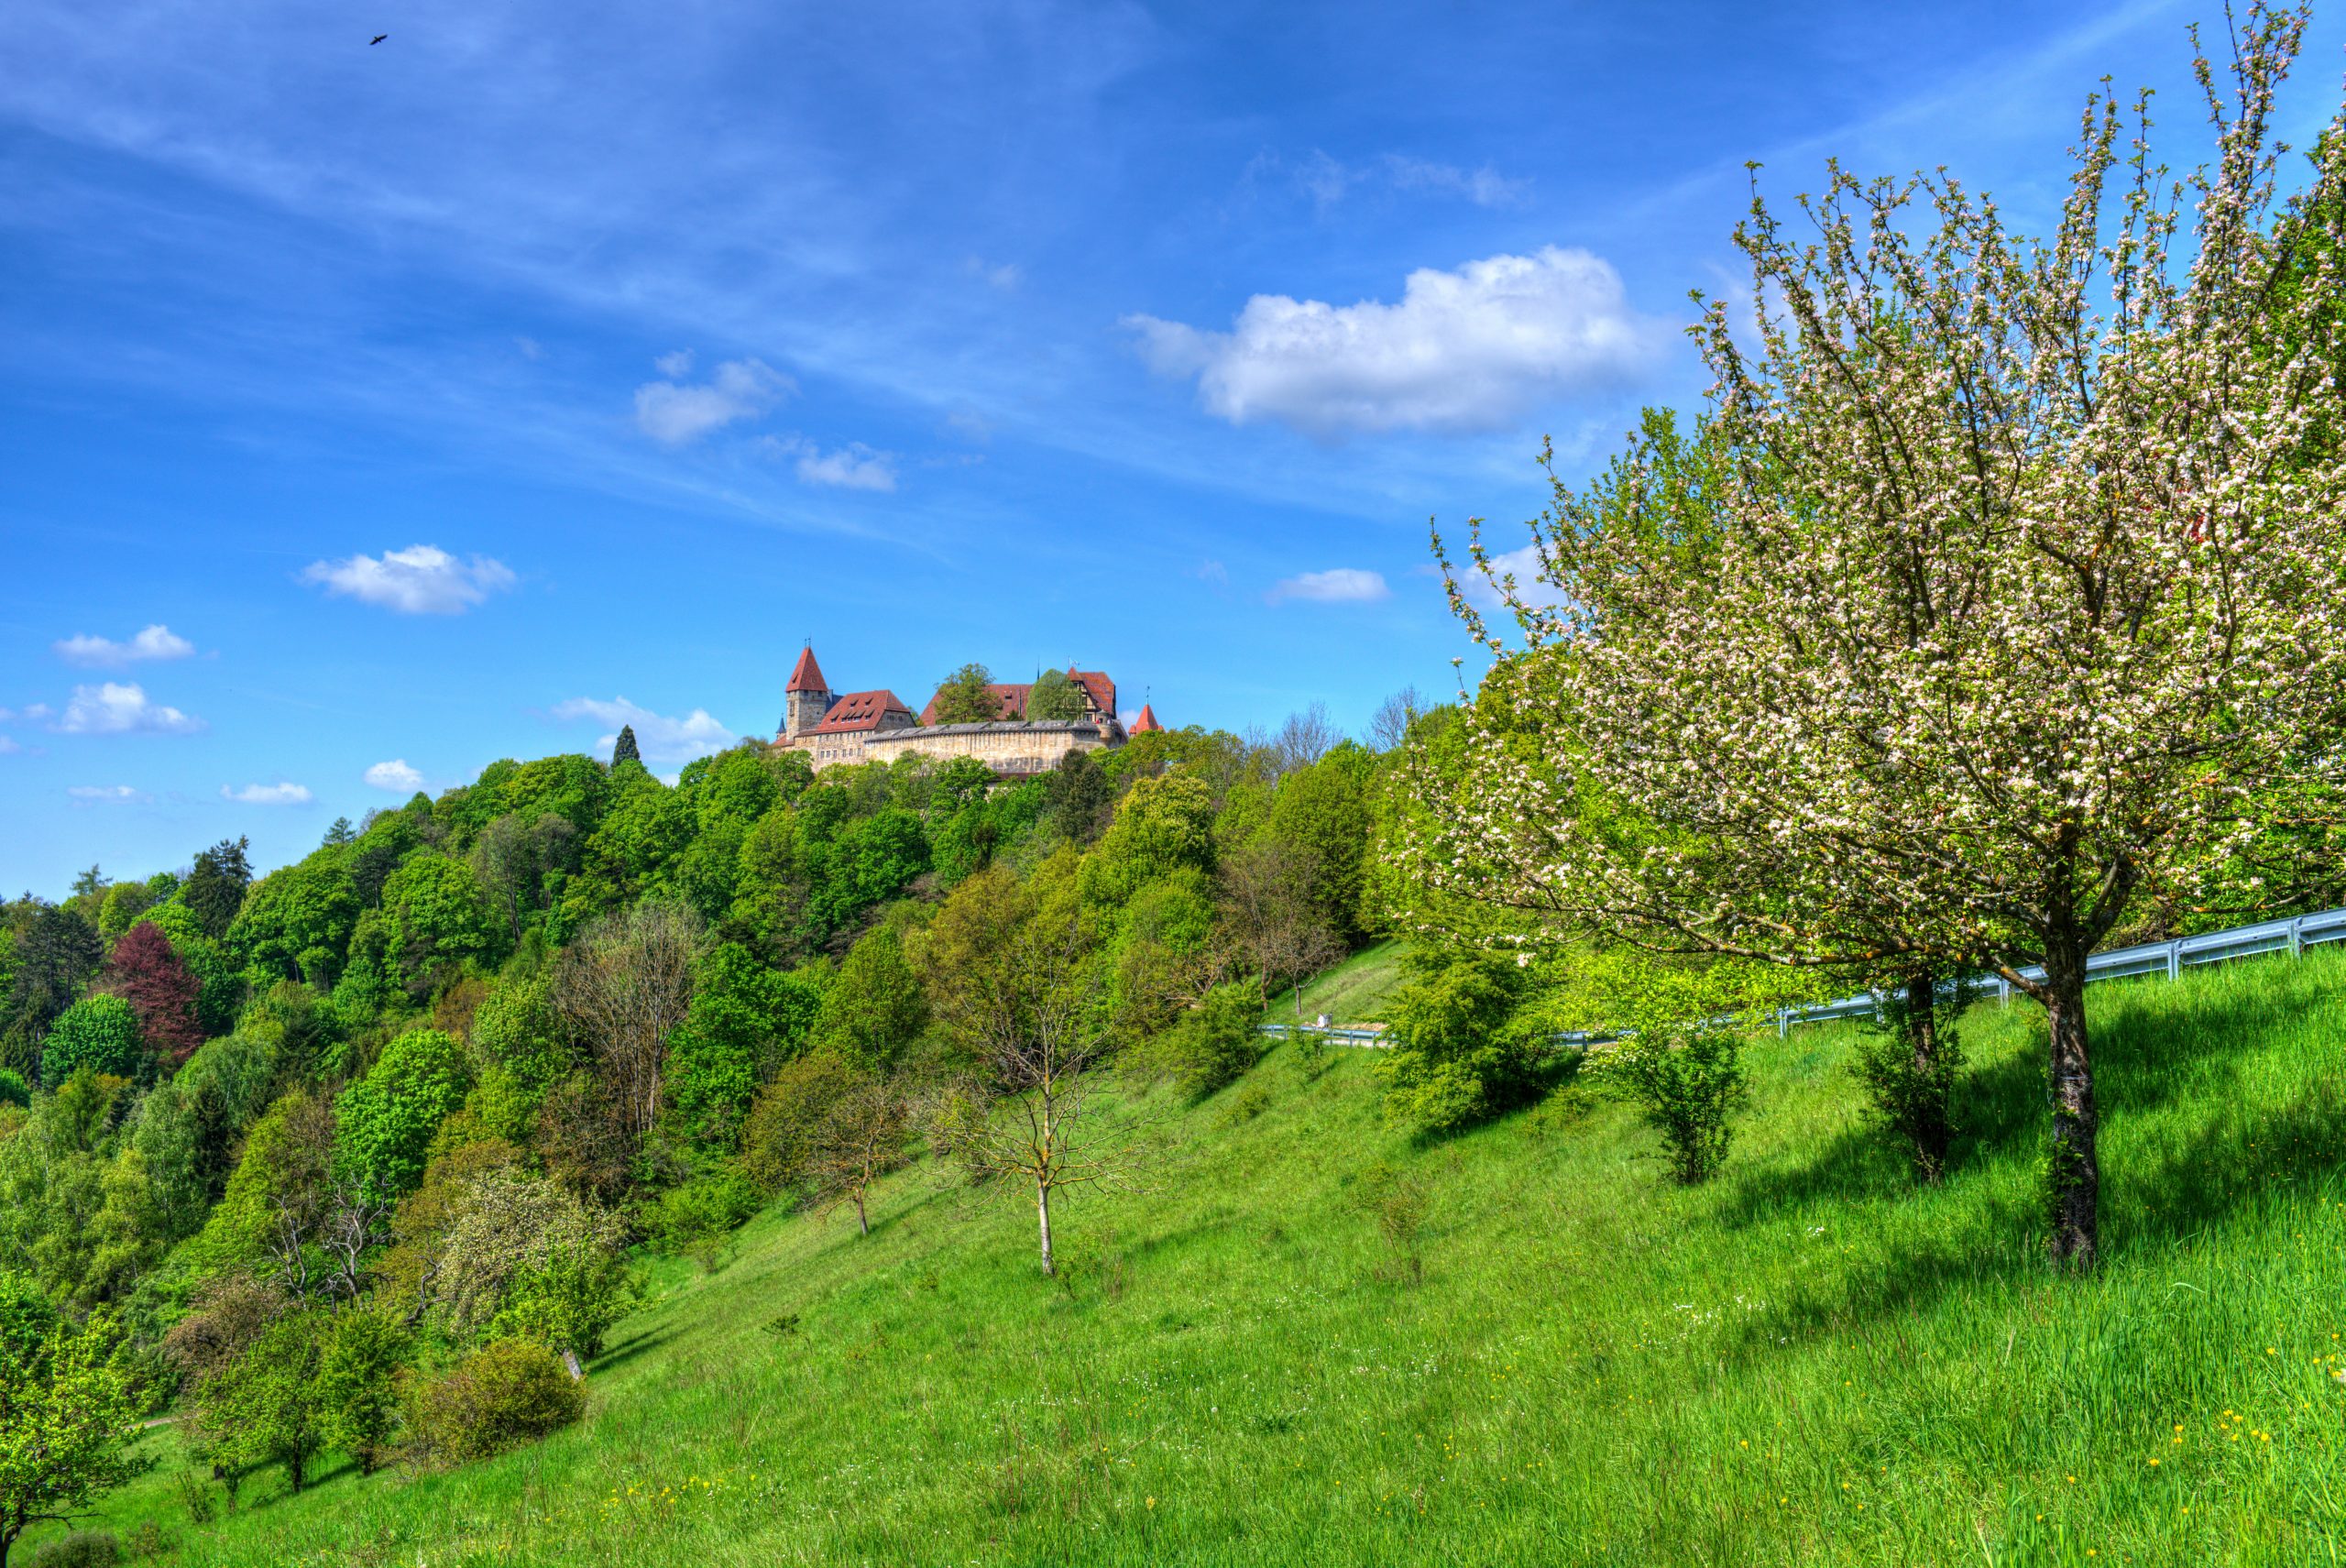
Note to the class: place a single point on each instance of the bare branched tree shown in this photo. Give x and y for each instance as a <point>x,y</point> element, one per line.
<point>1389,727</point>
<point>1265,887</point>
<point>861,1139</point>
<point>623,987</point>
<point>1017,975</point>
<point>1305,738</point>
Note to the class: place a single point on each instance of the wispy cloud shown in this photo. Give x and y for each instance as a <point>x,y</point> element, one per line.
<point>1472,349</point>
<point>1485,186</point>
<point>107,795</point>
<point>422,580</point>
<point>154,643</point>
<point>1339,585</point>
<point>1003,275</point>
<point>266,795</point>
<point>121,709</point>
<point>658,737</point>
<point>854,466</point>
<point>1328,180</point>
<point>675,415</point>
<point>395,775</point>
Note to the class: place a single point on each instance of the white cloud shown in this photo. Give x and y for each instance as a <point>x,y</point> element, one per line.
<point>8,746</point>
<point>530,349</point>
<point>673,413</point>
<point>1465,350</point>
<point>395,775</point>
<point>267,795</point>
<point>112,709</point>
<point>1341,584</point>
<point>107,795</point>
<point>854,466</point>
<point>659,737</point>
<point>154,643</point>
<point>422,580</point>
<point>1523,564</point>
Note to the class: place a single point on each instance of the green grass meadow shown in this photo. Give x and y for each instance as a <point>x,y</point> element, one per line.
<point>1806,1362</point>
<point>1352,992</point>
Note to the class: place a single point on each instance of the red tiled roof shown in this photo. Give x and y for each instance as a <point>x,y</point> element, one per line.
<point>807,675</point>
<point>1102,689</point>
<point>1146,722</point>
<point>858,711</point>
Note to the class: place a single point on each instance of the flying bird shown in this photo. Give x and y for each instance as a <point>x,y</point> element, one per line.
<point>378,37</point>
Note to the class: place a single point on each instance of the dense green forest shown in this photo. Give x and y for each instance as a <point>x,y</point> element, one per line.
<point>364,1156</point>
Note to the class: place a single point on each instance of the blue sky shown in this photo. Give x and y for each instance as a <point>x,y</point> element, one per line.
<point>459,396</point>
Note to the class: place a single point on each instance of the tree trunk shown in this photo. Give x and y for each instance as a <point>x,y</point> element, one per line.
<point>1043,1210</point>
<point>293,1468</point>
<point>862,1224</point>
<point>2073,1175</point>
<point>1932,1134</point>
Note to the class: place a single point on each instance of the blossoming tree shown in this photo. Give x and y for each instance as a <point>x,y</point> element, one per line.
<point>2014,592</point>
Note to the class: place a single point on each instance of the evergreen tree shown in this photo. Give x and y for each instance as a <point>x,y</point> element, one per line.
<point>623,750</point>
<point>216,888</point>
<point>341,833</point>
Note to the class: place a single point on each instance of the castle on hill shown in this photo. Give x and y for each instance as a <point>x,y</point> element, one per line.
<point>846,727</point>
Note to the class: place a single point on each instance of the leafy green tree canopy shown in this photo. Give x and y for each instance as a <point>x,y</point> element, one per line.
<point>384,1121</point>
<point>964,697</point>
<point>1053,696</point>
<point>100,1033</point>
<point>68,1414</point>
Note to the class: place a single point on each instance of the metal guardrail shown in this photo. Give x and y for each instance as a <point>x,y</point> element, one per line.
<point>2292,935</point>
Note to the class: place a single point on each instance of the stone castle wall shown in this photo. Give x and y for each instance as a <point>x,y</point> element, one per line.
<point>1009,748</point>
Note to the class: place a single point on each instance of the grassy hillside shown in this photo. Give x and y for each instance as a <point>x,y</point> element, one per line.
<point>1806,1362</point>
<point>1352,992</point>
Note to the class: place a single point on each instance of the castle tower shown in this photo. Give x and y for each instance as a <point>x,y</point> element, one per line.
<point>807,698</point>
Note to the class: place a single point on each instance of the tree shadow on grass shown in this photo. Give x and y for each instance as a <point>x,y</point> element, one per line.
<point>2166,1175</point>
<point>1999,1108</point>
<point>628,1349</point>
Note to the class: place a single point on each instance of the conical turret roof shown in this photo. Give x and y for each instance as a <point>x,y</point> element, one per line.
<point>807,675</point>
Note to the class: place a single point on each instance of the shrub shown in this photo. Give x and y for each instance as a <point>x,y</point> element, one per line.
<point>82,1549</point>
<point>100,1033</point>
<point>694,1219</point>
<point>14,1091</point>
<point>570,1301</point>
<point>1212,1044</point>
<point>364,1354</point>
<point>1454,1061</point>
<point>1908,1061</point>
<point>1686,1081</point>
<point>511,1392</point>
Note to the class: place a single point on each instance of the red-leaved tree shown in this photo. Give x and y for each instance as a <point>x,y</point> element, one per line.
<point>146,972</point>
